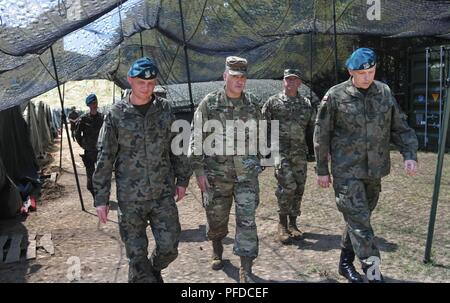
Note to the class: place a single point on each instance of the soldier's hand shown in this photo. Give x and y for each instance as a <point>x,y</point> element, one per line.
<point>324,181</point>
<point>203,183</point>
<point>180,192</point>
<point>102,213</point>
<point>411,167</point>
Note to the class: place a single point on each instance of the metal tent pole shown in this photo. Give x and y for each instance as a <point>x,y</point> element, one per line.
<point>61,141</point>
<point>186,57</point>
<point>438,176</point>
<point>311,42</point>
<point>441,69</point>
<point>142,47</point>
<point>311,66</point>
<point>425,137</point>
<point>335,44</point>
<point>67,130</point>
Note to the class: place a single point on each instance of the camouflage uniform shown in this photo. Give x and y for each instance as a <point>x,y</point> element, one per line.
<point>357,130</point>
<point>86,134</point>
<point>229,175</point>
<point>73,116</point>
<point>138,148</point>
<point>295,115</point>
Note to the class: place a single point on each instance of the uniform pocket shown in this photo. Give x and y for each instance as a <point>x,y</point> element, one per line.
<point>350,107</point>
<point>379,112</point>
<point>350,114</point>
<point>208,195</point>
<point>343,199</point>
<point>130,134</point>
<point>284,175</point>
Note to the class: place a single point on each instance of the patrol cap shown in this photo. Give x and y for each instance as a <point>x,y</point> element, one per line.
<point>236,65</point>
<point>143,68</point>
<point>91,99</point>
<point>291,72</point>
<point>362,58</point>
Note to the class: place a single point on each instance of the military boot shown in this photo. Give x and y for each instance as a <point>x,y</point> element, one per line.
<point>245,271</point>
<point>157,275</point>
<point>346,267</point>
<point>293,229</point>
<point>283,233</point>
<point>216,262</point>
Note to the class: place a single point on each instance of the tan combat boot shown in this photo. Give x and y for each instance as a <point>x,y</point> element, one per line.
<point>245,271</point>
<point>293,229</point>
<point>283,233</point>
<point>216,262</point>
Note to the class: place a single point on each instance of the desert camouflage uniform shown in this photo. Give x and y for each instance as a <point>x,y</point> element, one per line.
<point>138,148</point>
<point>295,115</point>
<point>229,176</point>
<point>356,130</point>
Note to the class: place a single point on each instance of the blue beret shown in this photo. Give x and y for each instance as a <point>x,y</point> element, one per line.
<point>362,58</point>
<point>91,98</point>
<point>143,68</point>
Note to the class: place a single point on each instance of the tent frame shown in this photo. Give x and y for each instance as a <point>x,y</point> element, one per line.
<point>63,115</point>
<point>438,176</point>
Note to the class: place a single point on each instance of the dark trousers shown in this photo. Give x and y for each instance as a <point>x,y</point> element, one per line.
<point>89,159</point>
<point>134,217</point>
<point>356,199</point>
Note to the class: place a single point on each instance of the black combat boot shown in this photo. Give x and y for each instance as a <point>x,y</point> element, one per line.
<point>217,262</point>
<point>346,267</point>
<point>283,233</point>
<point>157,275</point>
<point>93,195</point>
<point>245,271</point>
<point>293,229</point>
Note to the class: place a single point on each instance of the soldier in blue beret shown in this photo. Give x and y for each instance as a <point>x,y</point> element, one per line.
<point>362,58</point>
<point>136,141</point>
<point>356,122</point>
<point>91,99</point>
<point>143,68</point>
<point>86,134</point>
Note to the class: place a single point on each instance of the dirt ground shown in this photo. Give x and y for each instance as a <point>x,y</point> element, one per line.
<point>400,222</point>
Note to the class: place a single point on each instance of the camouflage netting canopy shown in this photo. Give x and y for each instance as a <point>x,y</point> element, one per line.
<point>94,39</point>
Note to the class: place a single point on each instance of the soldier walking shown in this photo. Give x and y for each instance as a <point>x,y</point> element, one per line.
<point>135,140</point>
<point>222,176</point>
<point>295,115</point>
<point>86,133</point>
<point>356,122</point>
